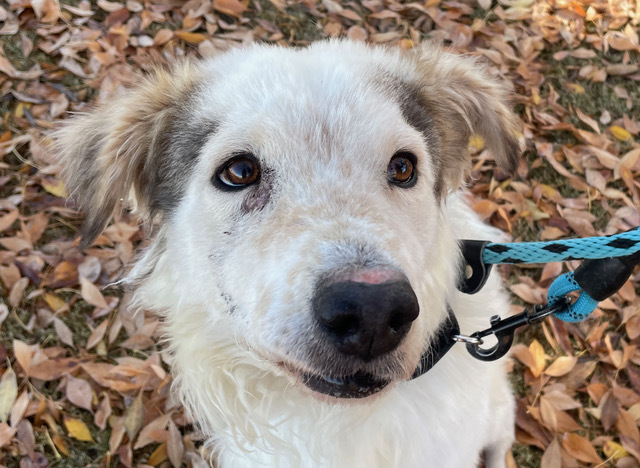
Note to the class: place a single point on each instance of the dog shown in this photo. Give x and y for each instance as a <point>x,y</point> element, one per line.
<point>305,207</point>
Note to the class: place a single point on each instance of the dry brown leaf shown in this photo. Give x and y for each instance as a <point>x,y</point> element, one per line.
<point>17,291</point>
<point>153,432</point>
<point>23,353</point>
<point>51,369</point>
<point>134,417</point>
<point>92,294</point>
<point>63,332</point>
<point>79,392</point>
<point>6,433</point>
<point>97,334</point>
<point>552,457</point>
<point>175,447</point>
<point>102,412</point>
<point>580,448</point>
<point>19,407</point>
<point>229,7</point>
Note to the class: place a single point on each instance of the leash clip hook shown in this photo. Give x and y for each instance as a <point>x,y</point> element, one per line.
<point>504,330</point>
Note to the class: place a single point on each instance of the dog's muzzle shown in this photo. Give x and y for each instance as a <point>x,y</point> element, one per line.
<point>365,321</point>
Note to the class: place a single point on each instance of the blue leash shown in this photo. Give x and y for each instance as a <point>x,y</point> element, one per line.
<point>608,263</point>
<point>618,245</point>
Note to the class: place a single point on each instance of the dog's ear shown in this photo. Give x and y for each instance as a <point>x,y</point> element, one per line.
<point>124,149</point>
<point>452,98</point>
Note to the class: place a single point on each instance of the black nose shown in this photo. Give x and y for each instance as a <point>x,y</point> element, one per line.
<point>363,319</point>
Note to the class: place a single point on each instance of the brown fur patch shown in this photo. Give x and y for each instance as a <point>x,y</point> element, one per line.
<point>452,98</point>
<point>144,142</point>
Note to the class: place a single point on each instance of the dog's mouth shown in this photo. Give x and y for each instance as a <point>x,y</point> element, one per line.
<point>358,385</point>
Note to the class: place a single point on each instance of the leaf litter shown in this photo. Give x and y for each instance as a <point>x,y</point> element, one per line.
<point>83,381</point>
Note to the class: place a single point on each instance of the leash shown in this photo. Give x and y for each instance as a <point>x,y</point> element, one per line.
<point>608,263</point>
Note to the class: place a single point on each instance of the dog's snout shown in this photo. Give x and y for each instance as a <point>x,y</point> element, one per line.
<point>363,319</point>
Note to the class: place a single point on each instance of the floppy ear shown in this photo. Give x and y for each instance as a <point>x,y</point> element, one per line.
<point>452,98</point>
<point>130,148</point>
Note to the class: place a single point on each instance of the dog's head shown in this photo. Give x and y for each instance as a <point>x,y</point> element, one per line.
<point>300,195</point>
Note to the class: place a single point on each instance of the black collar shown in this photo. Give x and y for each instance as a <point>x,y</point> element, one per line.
<point>441,344</point>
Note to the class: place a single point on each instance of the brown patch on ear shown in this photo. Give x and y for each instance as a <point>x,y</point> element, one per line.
<point>133,147</point>
<point>452,98</point>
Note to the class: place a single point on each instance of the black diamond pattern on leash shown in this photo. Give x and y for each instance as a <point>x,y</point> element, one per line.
<point>622,243</point>
<point>556,248</point>
<point>512,260</point>
<point>497,248</point>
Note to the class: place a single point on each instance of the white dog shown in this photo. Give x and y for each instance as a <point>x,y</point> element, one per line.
<point>305,252</point>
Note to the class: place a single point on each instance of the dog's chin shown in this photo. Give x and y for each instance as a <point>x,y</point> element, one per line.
<point>358,385</point>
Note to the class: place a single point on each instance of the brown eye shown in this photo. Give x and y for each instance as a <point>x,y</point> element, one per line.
<point>238,173</point>
<point>401,169</point>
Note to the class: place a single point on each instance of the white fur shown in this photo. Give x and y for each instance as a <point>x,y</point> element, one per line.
<point>235,287</point>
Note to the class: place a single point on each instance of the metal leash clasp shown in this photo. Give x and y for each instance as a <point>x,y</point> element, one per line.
<point>504,330</point>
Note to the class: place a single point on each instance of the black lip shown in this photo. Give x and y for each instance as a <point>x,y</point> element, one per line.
<point>358,385</point>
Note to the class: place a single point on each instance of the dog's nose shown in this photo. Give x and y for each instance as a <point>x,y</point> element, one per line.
<point>363,319</point>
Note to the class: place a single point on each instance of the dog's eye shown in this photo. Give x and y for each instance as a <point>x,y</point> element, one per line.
<point>401,169</point>
<point>238,172</point>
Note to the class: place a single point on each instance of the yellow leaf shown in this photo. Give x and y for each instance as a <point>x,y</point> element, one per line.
<point>54,302</point>
<point>561,366</point>
<point>405,44</point>
<point>56,189</point>
<point>576,88</point>
<point>8,393</point>
<point>620,133</point>
<point>476,141</point>
<point>539,358</point>
<point>77,429</point>
<point>192,38</point>
<point>158,456</point>
<point>613,450</point>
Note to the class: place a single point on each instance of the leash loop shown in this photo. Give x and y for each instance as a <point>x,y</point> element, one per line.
<point>575,311</point>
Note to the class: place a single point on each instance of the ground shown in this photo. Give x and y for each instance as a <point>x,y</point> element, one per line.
<point>83,381</point>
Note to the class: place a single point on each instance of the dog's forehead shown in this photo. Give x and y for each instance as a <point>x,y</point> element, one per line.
<point>319,95</point>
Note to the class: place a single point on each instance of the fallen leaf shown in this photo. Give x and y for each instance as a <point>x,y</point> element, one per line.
<point>92,294</point>
<point>8,393</point>
<point>158,456</point>
<point>78,429</point>
<point>620,133</point>
<point>63,332</point>
<point>134,417</point>
<point>79,392</point>
<point>580,448</point>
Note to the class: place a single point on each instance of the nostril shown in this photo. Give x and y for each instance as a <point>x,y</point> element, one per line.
<point>343,325</point>
<point>397,323</point>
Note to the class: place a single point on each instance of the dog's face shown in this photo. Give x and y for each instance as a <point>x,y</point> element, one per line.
<point>300,194</point>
